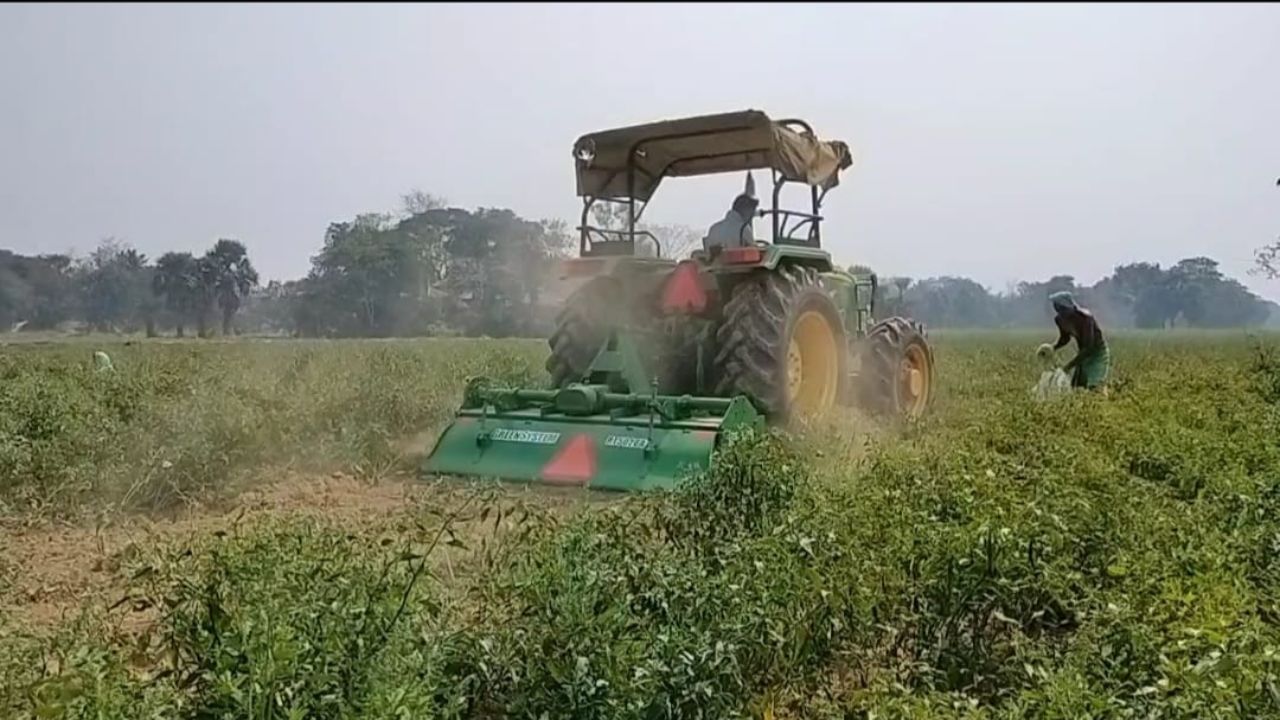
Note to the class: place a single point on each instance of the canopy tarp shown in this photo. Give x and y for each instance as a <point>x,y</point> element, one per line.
<point>703,145</point>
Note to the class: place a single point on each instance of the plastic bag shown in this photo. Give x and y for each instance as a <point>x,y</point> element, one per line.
<point>1053,383</point>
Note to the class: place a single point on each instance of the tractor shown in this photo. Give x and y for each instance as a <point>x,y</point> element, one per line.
<point>655,360</point>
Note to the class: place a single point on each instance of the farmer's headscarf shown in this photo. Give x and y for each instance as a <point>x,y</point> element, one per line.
<point>1063,300</point>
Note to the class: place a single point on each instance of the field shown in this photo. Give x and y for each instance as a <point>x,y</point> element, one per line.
<point>235,530</point>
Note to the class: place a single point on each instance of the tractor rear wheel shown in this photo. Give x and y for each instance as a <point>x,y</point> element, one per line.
<point>896,375</point>
<point>581,328</point>
<point>782,344</point>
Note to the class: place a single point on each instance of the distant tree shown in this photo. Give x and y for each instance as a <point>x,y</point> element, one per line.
<point>1145,288</point>
<point>675,241</point>
<point>36,293</point>
<point>1190,284</point>
<point>672,241</point>
<point>557,240</point>
<point>1032,306</point>
<point>952,302</point>
<point>499,263</point>
<point>1266,261</point>
<point>114,287</point>
<point>149,306</point>
<point>477,272</point>
<point>227,277</point>
<point>891,297</point>
<point>1230,304</point>
<point>361,273</point>
<point>416,202</point>
<point>271,309</point>
<point>178,282</point>
<point>609,215</point>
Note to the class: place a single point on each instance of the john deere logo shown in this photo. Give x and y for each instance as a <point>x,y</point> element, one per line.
<point>532,437</point>
<point>626,441</point>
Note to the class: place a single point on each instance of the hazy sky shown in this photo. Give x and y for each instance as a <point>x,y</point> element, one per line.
<point>993,141</point>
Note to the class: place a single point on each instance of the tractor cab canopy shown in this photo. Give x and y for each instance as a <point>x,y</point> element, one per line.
<point>631,162</point>
<point>626,165</point>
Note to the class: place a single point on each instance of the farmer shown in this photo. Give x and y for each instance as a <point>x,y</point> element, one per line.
<point>1088,369</point>
<point>735,229</point>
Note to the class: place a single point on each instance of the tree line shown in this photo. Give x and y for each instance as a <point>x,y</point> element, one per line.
<point>1192,292</point>
<point>429,269</point>
<point>116,289</point>
<point>433,269</point>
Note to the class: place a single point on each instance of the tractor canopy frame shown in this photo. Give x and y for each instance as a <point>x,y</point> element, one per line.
<point>626,165</point>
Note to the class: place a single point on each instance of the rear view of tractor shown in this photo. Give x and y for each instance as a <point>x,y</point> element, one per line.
<point>654,361</point>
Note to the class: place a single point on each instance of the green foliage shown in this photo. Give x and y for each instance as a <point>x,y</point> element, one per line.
<point>177,281</point>
<point>744,492</point>
<point>654,609</point>
<point>173,422</point>
<point>1191,293</point>
<point>226,277</point>
<point>1266,368</point>
<point>286,621</point>
<point>36,293</point>
<point>85,670</point>
<point>436,270</point>
<point>1102,556</point>
<point>115,287</point>
<point>479,272</point>
<point>275,620</point>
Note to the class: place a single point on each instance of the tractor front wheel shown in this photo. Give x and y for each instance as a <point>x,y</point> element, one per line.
<point>782,344</point>
<point>896,376</point>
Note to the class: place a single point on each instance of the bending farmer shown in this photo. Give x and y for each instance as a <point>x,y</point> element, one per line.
<point>1088,369</point>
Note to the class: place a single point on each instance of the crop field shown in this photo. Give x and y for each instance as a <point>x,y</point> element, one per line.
<point>236,530</point>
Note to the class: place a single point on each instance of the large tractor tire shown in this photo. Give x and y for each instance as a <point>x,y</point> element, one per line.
<point>896,373</point>
<point>678,366</point>
<point>581,328</point>
<point>782,344</point>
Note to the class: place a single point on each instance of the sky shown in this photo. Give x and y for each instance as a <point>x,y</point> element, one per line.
<point>994,141</point>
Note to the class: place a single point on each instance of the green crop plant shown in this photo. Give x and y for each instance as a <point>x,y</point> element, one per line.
<point>1102,556</point>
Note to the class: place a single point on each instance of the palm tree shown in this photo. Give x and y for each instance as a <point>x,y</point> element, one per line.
<point>227,276</point>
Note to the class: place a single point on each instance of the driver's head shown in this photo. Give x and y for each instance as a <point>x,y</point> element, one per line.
<point>745,205</point>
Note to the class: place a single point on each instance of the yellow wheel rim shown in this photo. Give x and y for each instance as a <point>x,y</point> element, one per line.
<point>915,381</point>
<point>813,365</point>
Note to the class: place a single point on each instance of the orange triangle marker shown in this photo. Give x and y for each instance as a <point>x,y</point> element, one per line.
<point>575,465</point>
<point>683,292</point>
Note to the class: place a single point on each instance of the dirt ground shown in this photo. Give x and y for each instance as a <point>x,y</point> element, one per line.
<point>49,571</point>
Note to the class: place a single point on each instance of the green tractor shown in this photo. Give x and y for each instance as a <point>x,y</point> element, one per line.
<point>655,360</point>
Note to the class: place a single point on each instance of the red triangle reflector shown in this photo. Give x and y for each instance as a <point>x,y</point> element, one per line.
<point>683,292</point>
<point>574,465</point>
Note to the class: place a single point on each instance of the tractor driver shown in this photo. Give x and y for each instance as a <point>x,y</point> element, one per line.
<point>735,229</point>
